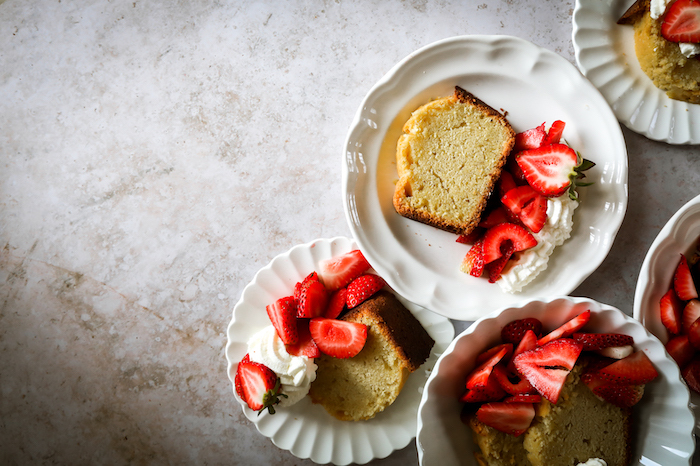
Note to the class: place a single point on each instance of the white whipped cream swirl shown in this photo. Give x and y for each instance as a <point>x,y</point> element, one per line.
<point>594,462</point>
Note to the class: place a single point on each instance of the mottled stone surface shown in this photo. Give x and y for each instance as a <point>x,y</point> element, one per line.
<point>154,155</point>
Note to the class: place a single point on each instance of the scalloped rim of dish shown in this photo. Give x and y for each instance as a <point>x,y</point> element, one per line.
<point>396,247</point>
<point>605,54</point>
<point>305,429</point>
<point>439,426</point>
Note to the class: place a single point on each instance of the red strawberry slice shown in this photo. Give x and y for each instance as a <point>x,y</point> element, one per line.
<point>313,299</point>
<point>472,237</point>
<point>635,369</point>
<point>496,216</point>
<point>258,386</point>
<point>523,398</point>
<point>670,308</point>
<point>513,385</point>
<point>283,315</point>
<point>505,183</point>
<point>694,334</point>
<point>362,288</point>
<point>514,331</point>
<point>598,341</point>
<point>624,396</point>
<point>511,418</point>
<point>691,374</point>
<point>549,169</point>
<point>528,205</point>
<point>495,268</point>
<point>682,22</point>
<point>338,271</point>
<point>496,236</point>
<point>683,281</point>
<point>681,350</point>
<point>312,277</point>
<point>554,133</point>
<point>480,375</point>
<point>528,342</point>
<point>338,338</point>
<point>569,328</point>
<point>546,367</point>
<point>305,345</point>
<point>530,139</point>
<point>492,391</point>
<point>336,303</point>
<point>473,262</point>
<point>690,313</point>
<point>491,352</point>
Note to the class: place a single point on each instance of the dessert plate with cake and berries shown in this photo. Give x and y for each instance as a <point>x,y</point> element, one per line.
<point>565,381</point>
<point>666,298</point>
<point>644,57</point>
<point>326,360</point>
<point>482,171</point>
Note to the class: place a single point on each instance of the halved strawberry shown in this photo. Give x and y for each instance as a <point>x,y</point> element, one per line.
<point>670,308</point>
<point>683,281</point>
<point>523,398</point>
<point>682,22</point>
<point>283,315</point>
<point>338,338</point>
<point>494,268</point>
<point>528,205</point>
<point>635,369</point>
<point>338,271</point>
<point>530,139</point>
<point>313,299</point>
<point>690,313</point>
<point>491,352</point>
<point>569,328</point>
<point>554,133</point>
<point>362,288</point>
<point>514,331</point>
<point>598,341</point>
<point>479,376</point>
<point>336,303</point>
<point>512,384</point>
<point>499,234</point>
<point>492,391</point>
<point>305,345</point>
<point>257,385</point>
<point>312,277</point>
<point>511,418</point>
<point>691,374</point>
<point>546,367</point>
<point>473,262</point>
<point>681,350</point>
<point>553,170</point>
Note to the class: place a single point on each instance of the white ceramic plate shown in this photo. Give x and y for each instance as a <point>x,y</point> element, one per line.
<point>605,54</point>
<point>663,423</point>
<point>679,236</point>
<point>305,429</point>
<point>533,85</point>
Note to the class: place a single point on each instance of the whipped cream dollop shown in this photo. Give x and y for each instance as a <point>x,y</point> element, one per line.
<point>657,8</point>
<point>295,372</point>
<point>594,462</point>
<point>526,265</point>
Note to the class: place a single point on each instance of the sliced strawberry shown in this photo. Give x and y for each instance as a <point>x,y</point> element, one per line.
<point>480,375</point>
<point>362,288</point>
<point>530,139</point>
<point>336,303</point>
<point>690,313</point>
<point>283,315</point>
<point>494,268</point>
<point>554,133</point>
<point>682,22</point>
<point>528,342</point>
<point>338,271</point>
<point>523,398</point>
<point>552,170</point>
<point>305,345</point>
<point>670,308</point>
<point>546,367</point>
<point>511,418</point>
<point>514,331</point>
<point>499,234</point>
<point>624,396</point>
<point>683,281</point>
<point>473,262</point>
<point>505,183</point>
<point>528,205</point>
<point>496,216</point>
<point>258,386</point>
<point>492,391</point>
<point>694,334</point>
<point>681,350</point>
<point>513,385</point>
<point>489,353</point>
<point>338,338</point>
<point>635,369</point>
<point>691,374</point>
<point>598,341</point>
<point>569,328</point>
<point>313,299</point>
<point>596,363</point>
<point>472,237</point>
<point>312,277</point>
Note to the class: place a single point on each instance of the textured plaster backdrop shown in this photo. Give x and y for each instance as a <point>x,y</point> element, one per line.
<point>155,154</point>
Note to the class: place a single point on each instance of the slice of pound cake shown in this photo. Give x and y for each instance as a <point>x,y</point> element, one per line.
<point>358,388</point>
<point>448,160</point>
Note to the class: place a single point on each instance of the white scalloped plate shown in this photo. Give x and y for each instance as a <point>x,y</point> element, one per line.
<point>663,423</point>
<point>533,85</point>
<point>605,54</point>
<point>305,429</point>
<point>678,236</point>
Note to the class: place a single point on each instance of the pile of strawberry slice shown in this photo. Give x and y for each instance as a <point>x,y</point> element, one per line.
<point>682,22</point>
<point>680,314</point>
<point>308,323</point>
<point>527,366</point>
<point>539,167</point>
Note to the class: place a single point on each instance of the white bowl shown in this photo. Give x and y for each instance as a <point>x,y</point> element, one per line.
<point>663,430</point>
